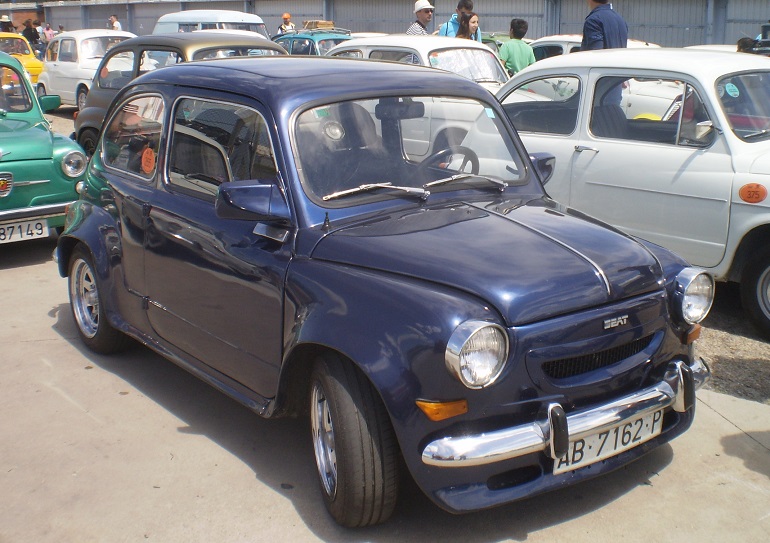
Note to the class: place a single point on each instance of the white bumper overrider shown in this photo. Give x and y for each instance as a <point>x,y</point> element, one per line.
<point>552,434</point>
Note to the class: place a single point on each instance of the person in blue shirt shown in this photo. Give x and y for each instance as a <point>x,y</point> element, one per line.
<point>603,28</point>
<point>452,25</point>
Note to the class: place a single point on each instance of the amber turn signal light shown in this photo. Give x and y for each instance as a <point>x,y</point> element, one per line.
<point>437,411</point>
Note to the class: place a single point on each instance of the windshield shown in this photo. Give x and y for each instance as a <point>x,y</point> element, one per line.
<point>480,65</point>
<point>327,43</point>
<point>14,46</point>
<point>230,51</point>
<point>14,96</point>
<point>407,147</point>
<point>745,100</point>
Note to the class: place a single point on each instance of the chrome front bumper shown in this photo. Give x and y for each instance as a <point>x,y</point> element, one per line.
<point>35,212</point>
<point>676,390</point>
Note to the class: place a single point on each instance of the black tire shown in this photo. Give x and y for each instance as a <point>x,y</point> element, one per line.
<point>40,91</point>
<point>755,291</point>
<point>88,308</point>
<point>80,98</point>
<point>358,465</point>
<point>87,140</point>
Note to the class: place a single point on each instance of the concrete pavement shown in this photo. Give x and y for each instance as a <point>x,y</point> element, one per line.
<point>132,448</point>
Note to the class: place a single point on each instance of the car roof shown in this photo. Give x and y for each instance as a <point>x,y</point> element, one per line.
<point>210,16</point>
<point>577,39</point>
<point>285,83</point>
<point>86,33</point>
<point>703,64</point>
<point>420,43</point>
<point>200,40</point>
<point>319,33</point>
<point>5,35</point>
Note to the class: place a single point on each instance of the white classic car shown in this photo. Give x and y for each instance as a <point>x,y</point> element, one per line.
<point>561,44</point>
<point>71,60</point>
<point>692,174</point>
<point>470,59</point>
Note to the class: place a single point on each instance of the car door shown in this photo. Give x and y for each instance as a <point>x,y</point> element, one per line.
<point>664,176</point>
<point>215,286</point>
<point>63,71</point>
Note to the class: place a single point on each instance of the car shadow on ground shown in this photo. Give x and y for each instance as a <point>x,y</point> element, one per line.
<point>727,313</point>
<point>27,253</point>
<point>280,454</point>
<point>743,446</point>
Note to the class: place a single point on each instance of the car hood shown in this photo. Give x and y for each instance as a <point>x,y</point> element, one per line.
<point>22,140</point>
<point>531,259</point>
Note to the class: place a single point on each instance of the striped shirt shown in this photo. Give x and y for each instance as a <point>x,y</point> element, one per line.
<point>416,29</point>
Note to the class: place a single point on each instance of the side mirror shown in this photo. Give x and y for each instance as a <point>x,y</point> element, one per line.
<point>49,102</point>
<point>544,164</point>
<point>252,201</point>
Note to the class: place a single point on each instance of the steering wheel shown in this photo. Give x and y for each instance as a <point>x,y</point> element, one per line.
<point>437,158</point>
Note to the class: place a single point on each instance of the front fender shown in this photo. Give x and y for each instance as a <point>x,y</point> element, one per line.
<point>393,328</point>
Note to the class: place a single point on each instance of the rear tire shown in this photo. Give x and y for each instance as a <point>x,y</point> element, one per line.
<point>81,98</point>
<point>755,291</point>
<point>354,443</point>
<point>40,91</point>
<point>87,306</point>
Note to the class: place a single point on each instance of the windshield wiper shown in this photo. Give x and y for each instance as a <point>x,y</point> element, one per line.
<point>754,135</point>
<point>462,176</point>
<point>421,192</point>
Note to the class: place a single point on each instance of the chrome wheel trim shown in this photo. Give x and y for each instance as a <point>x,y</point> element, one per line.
<point>81,98</point>
<point>85,298</point>
<point>323,440</point>
<point>763,292</point>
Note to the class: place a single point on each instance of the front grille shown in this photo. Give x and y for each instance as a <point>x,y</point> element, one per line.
<point>570,367</point>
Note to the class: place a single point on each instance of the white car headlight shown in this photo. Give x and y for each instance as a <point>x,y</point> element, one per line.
<point>694,294</point>
<point>476,353</point>
<point>74,164</point>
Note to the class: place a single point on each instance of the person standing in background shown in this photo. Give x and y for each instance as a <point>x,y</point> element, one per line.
<point>450,27</point>
<point>6,25</point>
<point>515,53</point>
<point>287,25</point>
<point>48,33</point>
<point>469,26</point>
<point>114,23</point>
<point>423,10</point>
<point>61,29</point>
<point>603,28</point>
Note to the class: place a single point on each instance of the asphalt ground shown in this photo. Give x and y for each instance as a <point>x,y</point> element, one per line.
<point>133,448</point>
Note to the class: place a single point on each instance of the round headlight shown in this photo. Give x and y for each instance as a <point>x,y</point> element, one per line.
<point>695,294</point>
<point>476,353</point>
<point>74,164</point>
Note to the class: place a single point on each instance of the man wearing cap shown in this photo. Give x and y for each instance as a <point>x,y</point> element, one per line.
<point>287,25</point>
<point>6,25</point>
<point>424,13</point>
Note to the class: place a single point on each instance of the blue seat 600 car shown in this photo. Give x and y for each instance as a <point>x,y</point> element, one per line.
<point>286,229</point>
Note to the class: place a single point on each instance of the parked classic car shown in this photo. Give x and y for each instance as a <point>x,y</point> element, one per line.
<point>135,56</point>
<point>311,41</point>
<point>691,176</point>
<point>467,58</point>
<point>17,46</point>
<point>562,44</point>
<point>273,236</point>
<point>71,59</point>
<point>38,169</point>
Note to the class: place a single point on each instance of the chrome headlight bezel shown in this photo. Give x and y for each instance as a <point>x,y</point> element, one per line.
<point>460,346</point>
<point>74,164</point>
<point>693,294</point>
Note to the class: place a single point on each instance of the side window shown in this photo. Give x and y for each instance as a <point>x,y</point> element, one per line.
<point>152,60</point>
<point>214,142</point>
<point>654,110</point>
<point>407,57</point>
<point>117,71</point>
<point>302,47</point>
<point>547,106</point>
<point>13,94</point>
<point>545,51</point>
<point>131,139</point>
<point>67,51</point>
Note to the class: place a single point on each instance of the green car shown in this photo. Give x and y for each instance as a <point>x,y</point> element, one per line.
<point>39,170</point>
<point>315,41</point>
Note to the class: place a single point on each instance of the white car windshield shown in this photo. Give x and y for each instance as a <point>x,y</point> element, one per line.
<point>745,100</point>
<point>403,147</point>
<point>478,65</point>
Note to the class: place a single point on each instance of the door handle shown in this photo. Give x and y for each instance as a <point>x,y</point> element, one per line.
<point>581,148</point>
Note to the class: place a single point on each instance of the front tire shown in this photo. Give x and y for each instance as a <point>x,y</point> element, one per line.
<point>88,308</point>
<point>81,98</point>
<point>755,291</point>
<point>355,447</point>
<point>87,140</point>
<point>40,91</point>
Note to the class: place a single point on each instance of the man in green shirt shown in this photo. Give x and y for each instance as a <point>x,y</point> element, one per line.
<point>515,53</point>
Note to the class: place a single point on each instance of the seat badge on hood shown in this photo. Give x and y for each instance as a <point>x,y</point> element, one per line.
<point>614,322</point>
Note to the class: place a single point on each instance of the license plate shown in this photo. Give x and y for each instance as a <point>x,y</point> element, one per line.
<point>22,231</point>
<point>597,447</point>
